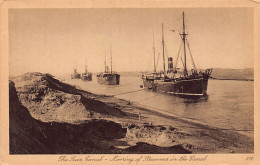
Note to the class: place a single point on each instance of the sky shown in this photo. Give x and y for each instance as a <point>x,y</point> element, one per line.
<point>57,40</point>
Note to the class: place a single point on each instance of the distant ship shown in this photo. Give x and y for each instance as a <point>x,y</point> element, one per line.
<point>176,81</point>
<point>108,77</point>
<point>86,76</point>
<point>75,74</point>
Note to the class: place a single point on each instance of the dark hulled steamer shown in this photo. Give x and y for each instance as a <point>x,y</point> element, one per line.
<point>176,81</point>
<point>86,76</point>
<point>108,77</point>
<point>75,74</point>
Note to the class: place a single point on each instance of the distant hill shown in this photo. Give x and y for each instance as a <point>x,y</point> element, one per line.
<point>217,73</point>
<point>237,74</point>
<point>131,74</point>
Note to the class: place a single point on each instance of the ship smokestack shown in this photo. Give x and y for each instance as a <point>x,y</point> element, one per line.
<point>170,64</point>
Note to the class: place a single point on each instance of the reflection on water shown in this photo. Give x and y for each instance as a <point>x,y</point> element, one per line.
<point>196,100</point>
<point>229,104</point>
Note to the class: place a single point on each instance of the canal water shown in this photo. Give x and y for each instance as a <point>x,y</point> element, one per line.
<point>229,105</point>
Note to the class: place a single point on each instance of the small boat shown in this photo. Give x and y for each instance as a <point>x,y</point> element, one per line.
<point>108,77</point>
<point>176,81</point>
<point>86,76</point>
<point>75,74</point>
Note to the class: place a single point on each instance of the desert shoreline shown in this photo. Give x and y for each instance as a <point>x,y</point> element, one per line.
<point>144,126</point>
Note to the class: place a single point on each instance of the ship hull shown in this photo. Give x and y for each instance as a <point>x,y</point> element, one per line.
<point>108,79</point>
<point>86,77</point>
<point>184,87</point>
<point>75,76</point>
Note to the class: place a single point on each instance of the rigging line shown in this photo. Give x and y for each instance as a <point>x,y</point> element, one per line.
<point>154,68</point>
<point>191,56</point>
<point>182,62</point>
<point>186,27</point>
<point>148,62</point>
<point>166,52</point>
<point>180,35</point>
<point>178,56</point>
<point>157,60</point>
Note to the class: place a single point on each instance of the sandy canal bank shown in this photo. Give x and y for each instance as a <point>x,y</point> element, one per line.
<point>90,123</point>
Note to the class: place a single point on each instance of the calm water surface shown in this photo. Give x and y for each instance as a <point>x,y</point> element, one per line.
<point>230,104</point>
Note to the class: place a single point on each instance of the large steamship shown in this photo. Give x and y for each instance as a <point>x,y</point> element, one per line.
<point>108,76</point>
<point>75,74</point>
<point>86,76</point>
<point>176,81</point>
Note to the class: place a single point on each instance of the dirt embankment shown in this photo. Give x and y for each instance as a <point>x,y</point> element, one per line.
<point>48,99</point>
<point>50,117</point>
<point>30,136</point>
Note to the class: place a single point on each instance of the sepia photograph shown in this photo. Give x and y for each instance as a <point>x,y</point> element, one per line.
<point>123,81</point>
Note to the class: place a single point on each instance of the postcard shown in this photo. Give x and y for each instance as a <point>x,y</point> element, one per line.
<point>129,82</point>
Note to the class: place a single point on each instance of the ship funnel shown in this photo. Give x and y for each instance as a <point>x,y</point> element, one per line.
<point>170,64</point>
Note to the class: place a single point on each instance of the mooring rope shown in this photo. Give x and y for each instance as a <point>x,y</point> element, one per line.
<point>176,115</point>
<point>183,118</point>
<point>128,92</point>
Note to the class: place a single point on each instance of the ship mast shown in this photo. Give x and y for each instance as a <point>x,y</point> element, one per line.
<point>111,58</point>
<point>184,44</point>
<point>105,61</point>
<point>163,51</point>
<point>86,65</point>
<point>154,68</point>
